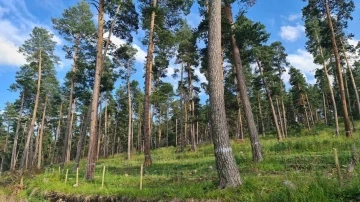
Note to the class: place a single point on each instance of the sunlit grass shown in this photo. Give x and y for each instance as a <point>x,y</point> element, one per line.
<point>305,159</point>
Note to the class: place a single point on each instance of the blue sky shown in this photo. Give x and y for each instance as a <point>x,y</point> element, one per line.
<point>282,19</point>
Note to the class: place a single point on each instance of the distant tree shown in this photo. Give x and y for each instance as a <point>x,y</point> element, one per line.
<point>38,49</point>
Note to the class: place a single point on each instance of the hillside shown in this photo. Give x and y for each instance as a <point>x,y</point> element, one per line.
<point>302,168</point>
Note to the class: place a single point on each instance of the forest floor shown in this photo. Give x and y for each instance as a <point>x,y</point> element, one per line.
<point>302,168</point>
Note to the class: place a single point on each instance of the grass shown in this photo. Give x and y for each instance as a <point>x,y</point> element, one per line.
<point>305,159</point>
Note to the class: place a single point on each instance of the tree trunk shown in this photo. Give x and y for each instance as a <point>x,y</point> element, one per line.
<point>240,128</point>
<point>24,157</point>
<point>176,136</point>
<point>41,134</point>
<point>261,116</point>
<point>227,169</point>
<point>5,148</point>
<point>307,118</point>
<point>329,85</point>
<point>257,153</point>
<point>99,131</point>
<point>68,133</point>
<point>276,123</point>
<point>182,136</point>
<point>186,139</point>
<point>130,112</point>
<point>349,101</point>
<point>351,77</point>
<point>106,138</point>
<point>339,72</point>
<point>82,138</point>
<point>284,113</point>
<point>167,126</point>
<point>279,115</point>
<point>197,132</point>
<point>148,72</point>
<point>325,116</point>
<point>114,140</point>
<point>68,149</point>
<point>310,109</point>
<point>57,134</point>
<point>14,149</point>
<point>191,110</point>
<point>90,169</point>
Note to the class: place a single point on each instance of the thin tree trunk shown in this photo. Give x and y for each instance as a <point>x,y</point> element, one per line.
<point>182,136</point>
<point>5,148</point>
<point>57,134</point>
<point>167,126</point>
<point>261,116</point>
<point>257,153</point>
<point>14,150</point>
<point>349,102</point>
<point>68,133</point>
<point>279,115</point>
<point>329,85</point>
<point>176,136</point>
<point>351,77</point>
<point>197,132</point>
<point>24,157</point>
<point>310,109</point>
<point>191,110</point>
<point>149,61</point>
<point>339,72</point>
<point>106,138</point>
<point>239,119</point>
<point>82,138</point>
<point>41,134</point>
<point>186,139</point>
<point>227,169</point>
<point>99,131</point>
<point>130,111</point>
<point>325,115</point>
<point>284,114</point>
<point>90,168</point>
<point>68,149</point>
<point>276,123</point>
<point>114,139</point>
<point>307,118</point>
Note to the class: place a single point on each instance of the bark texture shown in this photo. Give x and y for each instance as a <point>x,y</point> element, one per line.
<point>91,160</point>
<point>227,169</point>
<point>257,153</point>
<point>348,130</point>
<point>148,72</point>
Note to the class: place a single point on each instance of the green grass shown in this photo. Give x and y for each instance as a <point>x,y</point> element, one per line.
<point>306,159</point>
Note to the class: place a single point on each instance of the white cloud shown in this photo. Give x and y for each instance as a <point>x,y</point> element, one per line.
<point>9,54</point>
<point>303,61</point>
<point>291,33</point>
<point>200,75</point>
<point>15,29</point>
<point>293,17</point>
<point>140,55</point>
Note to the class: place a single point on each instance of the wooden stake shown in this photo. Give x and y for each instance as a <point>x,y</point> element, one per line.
<point>141,175</point>
<point>337,166</point>
<point>66,175</point>
<point>103,176</point>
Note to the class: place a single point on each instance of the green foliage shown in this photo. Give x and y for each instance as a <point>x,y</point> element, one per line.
<point>306,161</point>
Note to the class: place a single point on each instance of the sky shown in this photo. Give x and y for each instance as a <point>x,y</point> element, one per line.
<point>282,19</point>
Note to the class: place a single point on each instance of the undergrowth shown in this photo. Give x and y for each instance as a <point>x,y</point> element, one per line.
<point>304,160</point>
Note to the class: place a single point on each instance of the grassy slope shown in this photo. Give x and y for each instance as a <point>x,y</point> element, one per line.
<point>305,160</point>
